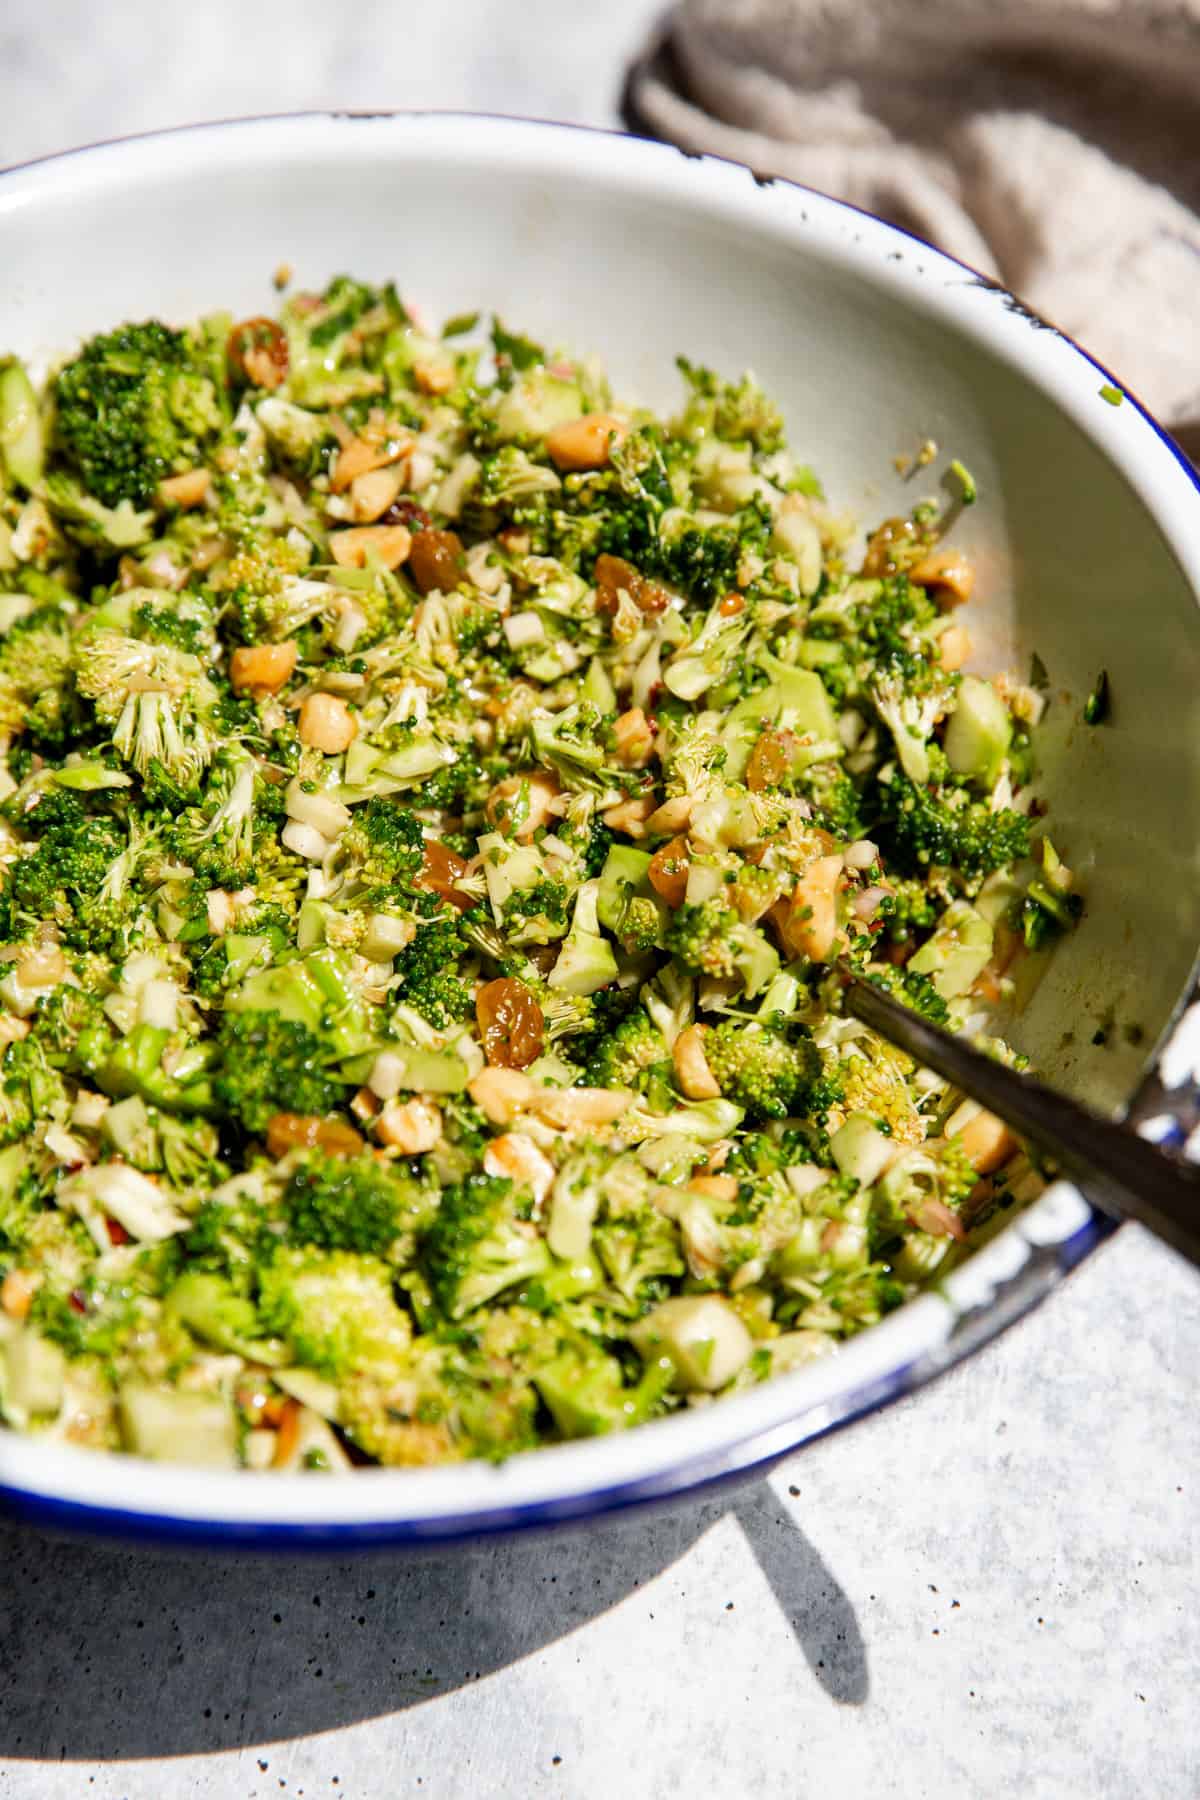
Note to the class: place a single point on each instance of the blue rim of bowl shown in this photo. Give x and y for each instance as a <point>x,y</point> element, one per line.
<point>1175,1109</point>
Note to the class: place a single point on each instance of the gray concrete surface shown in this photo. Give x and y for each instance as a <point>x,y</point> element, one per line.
<point>988,1591</point>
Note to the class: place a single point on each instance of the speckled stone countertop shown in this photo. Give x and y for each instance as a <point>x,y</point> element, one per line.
<point>988,1590</point>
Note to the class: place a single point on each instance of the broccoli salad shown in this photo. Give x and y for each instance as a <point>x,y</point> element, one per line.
<point>434,798</point>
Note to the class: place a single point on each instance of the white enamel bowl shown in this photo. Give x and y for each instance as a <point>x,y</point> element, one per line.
<point>1087,546</point>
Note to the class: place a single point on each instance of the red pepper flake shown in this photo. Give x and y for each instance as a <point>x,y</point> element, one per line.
<point>117,1233</point>
<point>76,1301</point>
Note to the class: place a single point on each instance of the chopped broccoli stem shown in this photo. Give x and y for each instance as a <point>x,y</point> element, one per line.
<point>1098,703</point>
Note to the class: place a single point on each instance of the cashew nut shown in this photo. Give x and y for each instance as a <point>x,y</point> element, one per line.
<point>585,443</point>
<point>413,1126</point>
<point>635,738</point>
<point>188,489</point>
<point>947,570</point>
<point>809,926</point>
<point>517,1158</point>
<point>263,668</point>
<point>385,544</point>
<point>691,1065</point>
<point>326,723</point>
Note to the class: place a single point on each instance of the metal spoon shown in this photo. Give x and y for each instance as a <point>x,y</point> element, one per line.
<point>1119,1171</point>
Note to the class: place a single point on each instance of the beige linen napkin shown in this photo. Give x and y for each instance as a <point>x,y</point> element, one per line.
<point>1054,144</point>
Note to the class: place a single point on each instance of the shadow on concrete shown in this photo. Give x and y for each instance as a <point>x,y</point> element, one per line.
<point>109,1654</point>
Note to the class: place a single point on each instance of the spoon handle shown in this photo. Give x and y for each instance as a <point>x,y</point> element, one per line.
<point>1121,1172</point>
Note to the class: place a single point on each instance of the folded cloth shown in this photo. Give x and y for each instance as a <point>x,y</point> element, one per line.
<point>1053,144</point>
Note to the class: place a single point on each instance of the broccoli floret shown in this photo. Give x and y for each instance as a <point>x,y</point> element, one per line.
<point>214,1310</point>
<point>758,1153</point>
<point>60,1020</point>
<point>736,412</point>
<point>387,840</point>
<point>67,870</point>
<point>764,1070</point>
<point>156,700</point>
<point>922,827</point>
<point>910,703</point>
<point>641,1252</point>
<point>336,1310</point>
<point>266,598</point>
<point>935,1171</point>
<point>188,1151</point>
<point>711,939</point>
<point>879,626</point>
<point>625,1056</point>
<point>569,743</point>
<point>234,1237</point>
<point>907,908</point>
<point>131,408</point>
<point>702,561</point>
<point>426,973</point>
<point>99,528</point>
<point>510,475</point>
<point>184,621</point>
<point>873,1079</point>
<point>297,437</point>
<point>107,1320</point>
<point>217,837</point>
<point>836,802</point>
<point>336,347</point>
<point>890,624</point>
<point>35,677</point>
<point>1048,908</point>
<point>912,990</point>
<point>267,1064</point>
<point>164,1067</point>
<point>600,841</point>
<point>710,655</point>
<point>441,999</point>
<point>466,1393</point>
<point>29,1087</point>
<point>19,1213</point>
<point>455,787</point>
<point>347,1203</point>
<point>480,1243</point>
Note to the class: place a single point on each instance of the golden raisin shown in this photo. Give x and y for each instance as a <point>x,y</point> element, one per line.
<point>668,871</point>
<point>770,760</point>
<point>304,1131</point>
<point>891,547</point>
<point>613,573</point>
<point>436,560</point>
<point>732,604</point>
<point>258,351</point>
<point>510,1023</point>
<point>441,869</point>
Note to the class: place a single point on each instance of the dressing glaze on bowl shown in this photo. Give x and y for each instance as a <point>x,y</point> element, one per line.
<point>1086,543</point>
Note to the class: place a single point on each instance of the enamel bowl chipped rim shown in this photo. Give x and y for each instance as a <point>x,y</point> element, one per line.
<point>55,1484</point>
